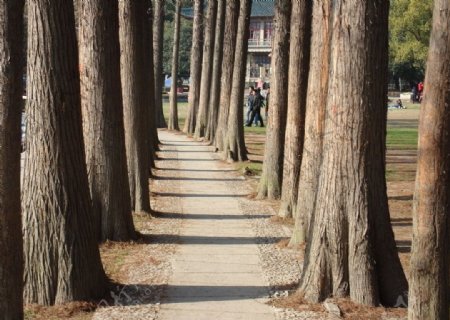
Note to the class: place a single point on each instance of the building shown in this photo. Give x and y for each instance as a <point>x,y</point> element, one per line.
<point>260,40</point>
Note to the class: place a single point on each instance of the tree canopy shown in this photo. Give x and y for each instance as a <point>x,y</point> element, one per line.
<point>410,26</point>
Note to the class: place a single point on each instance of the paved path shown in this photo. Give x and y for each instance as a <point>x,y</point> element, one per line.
<point>216,272</point>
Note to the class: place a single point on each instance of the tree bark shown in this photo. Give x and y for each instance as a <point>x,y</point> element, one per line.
<point>297,91</point>
<point>62,260</point>
<point>136,109</point>
<point>158,45</point>
<point>11,250</point>
<point>196,68</point>
<point>213,109</point>
<point>429,280</point>
<point>104,137</point>
<point>351,249</point>
<point>314,119</point>
<point>234,144</point>
<point>207,66</point>
<point>229,42</point>
<point>173,115</point>
<point>149,85</point>
<point>271,179</point>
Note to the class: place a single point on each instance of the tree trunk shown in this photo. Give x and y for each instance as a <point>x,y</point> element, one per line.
<point>158,44</point>
<point>102,107</point>
<point>173,115</point>
<point>314,119</point>
<point>136,112</point>
<point>351,249</point>
<point>149,85</point>
<point>271,179</point>
<point>297,91</point>
<point>207,66</point>
<point>196,68</point>
<point>213,109</point>
<point>234,144</point>
<point>429,280</point>
<point>11,250</point>
<point>62,260</point>
<point>229,42</point>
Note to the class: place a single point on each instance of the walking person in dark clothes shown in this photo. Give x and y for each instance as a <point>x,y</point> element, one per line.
<point>258,103</point>
<point>250,99</point>
<point>267,102</point>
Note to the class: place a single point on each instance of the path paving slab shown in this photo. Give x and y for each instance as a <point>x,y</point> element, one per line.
<point>217,271</point>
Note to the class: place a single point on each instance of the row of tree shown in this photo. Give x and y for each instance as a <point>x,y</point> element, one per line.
<point>326,140</point>
<point>90,143</point>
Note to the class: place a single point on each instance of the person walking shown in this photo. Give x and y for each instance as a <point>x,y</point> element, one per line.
<point>250,99</point>
<point>258,102</point>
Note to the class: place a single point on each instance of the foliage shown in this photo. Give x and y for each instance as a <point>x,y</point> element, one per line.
<point>410,27</point>
<point>185,42</point>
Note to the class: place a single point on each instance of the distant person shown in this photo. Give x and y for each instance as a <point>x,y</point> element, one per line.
<point>414,92</point>
<point>258,103</point>
<point>250,99</point>
<point>420,91</point>
<point>399,104</point>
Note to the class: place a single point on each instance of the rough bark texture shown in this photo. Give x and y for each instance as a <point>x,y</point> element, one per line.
<point>101,101</point>
<point>207,68</point>
<point>196,68</point>
<point>62,260</point>
<point>351,249</point>
<point>173,113</point>
<point>136,109</point>
<point>213,109</point>
<point>297,91</point>
<point>158,44</point>
<point>429,280</point>
<point>11,256</point>
<point>314,119</point>
<point>234,144</point>
<point>272,175</point>
<point>149,84</point>
<point>229,42</point>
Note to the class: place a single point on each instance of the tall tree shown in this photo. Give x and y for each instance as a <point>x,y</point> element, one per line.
<point>314,118</point>
<point>234,144</point>
<point>196,69</point>
<point>103,119</point>
<point>158,45</point>
<point>11,256</point>
<point>429,280</point>
<point>136,109</point>
<point>229,42</point>
<point>351,249</point>
<point>149,84</point>
<point>271,179</point>
<point>207,68</point>
<point>62,260</point>
<point>213,109</point>
<point>173,115</point>
<point>297,92</point>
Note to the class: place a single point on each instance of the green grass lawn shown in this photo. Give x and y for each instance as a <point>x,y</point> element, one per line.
<point>182,112</point>
<point>401,138</point>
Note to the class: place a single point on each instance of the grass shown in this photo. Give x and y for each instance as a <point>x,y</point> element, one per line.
<point>401,138</point>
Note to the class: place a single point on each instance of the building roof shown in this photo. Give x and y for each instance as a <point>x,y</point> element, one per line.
<point>260,8</point>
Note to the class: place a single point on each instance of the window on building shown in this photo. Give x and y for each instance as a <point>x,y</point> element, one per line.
<point>268,27</point>
<point>254,31</point>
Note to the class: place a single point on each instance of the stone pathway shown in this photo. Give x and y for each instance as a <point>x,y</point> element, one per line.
<point>217,272</point>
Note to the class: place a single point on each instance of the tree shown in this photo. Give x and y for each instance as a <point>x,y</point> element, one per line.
<point>11,256</point>
<point>351,249</point>
<point>62,260</point>
<point>173,116</point>
<point>216,74</point>
<point>297,92</point>
<point>196,68</point>
<point>409,29</point>
<point>136,109</point>
<point>103,120</point>
<point>429,278</point>
<point>271,179</point>
<point>314,119</point>
<point>207,68</point>
<point>234,144</point>
<point>158,45</point>
<point>229,42</point>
